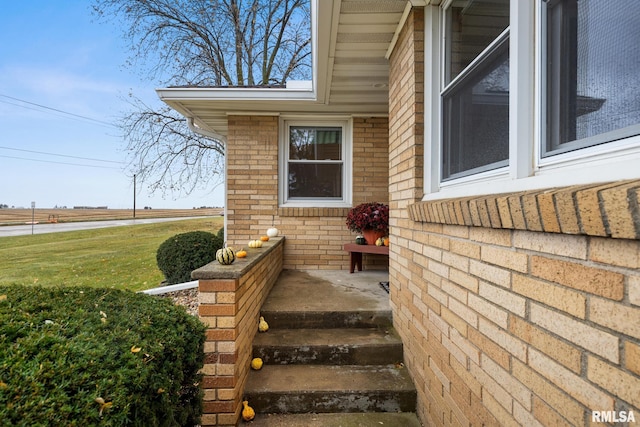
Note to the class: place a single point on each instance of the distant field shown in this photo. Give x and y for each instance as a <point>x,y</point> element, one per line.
<point>21,216</point>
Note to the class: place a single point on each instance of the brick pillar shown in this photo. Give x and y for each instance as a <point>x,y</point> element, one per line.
<point>231,297</point>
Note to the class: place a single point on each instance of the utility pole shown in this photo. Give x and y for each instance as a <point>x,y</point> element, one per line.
<point>134,195</point>
<point>33,215</point>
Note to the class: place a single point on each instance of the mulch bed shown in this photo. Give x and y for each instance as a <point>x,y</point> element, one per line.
<point>187,298</point>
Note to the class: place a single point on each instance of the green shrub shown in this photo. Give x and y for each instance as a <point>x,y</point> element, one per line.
<point>179,255</point>
<point>220,238</point>
<point>104,357</point>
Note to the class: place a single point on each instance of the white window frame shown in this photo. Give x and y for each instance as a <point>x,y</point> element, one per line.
<point>346,124</point>
<point>527,170</point>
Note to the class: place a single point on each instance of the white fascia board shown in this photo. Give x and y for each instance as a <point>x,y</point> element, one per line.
<point>396,34</point>
<point>236,94</point>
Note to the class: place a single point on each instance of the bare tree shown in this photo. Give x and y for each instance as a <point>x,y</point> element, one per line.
<point>166,154</point>
<point>201,43</point>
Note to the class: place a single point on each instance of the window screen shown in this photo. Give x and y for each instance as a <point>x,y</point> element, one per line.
<point>593,73</point>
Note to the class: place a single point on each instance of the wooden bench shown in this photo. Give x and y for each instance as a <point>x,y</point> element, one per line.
<point>356,251</point>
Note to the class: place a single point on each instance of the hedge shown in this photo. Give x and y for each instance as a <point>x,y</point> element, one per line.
<point>104,357</point>
<point>179,255</point>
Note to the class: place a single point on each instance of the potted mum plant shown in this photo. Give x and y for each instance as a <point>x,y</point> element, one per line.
<point>371,219</point>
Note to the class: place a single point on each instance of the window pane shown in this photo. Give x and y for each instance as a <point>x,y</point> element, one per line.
<point>315,180</point>
<point>307,143</point>
<point>593,77</point>
<point>471,27</point>
<point>476,119</point>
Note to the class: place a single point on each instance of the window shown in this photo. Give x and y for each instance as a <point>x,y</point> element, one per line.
<point>593,82</point>
<point>530,95</point>
<point>316,167</point>
<point>475,100</point>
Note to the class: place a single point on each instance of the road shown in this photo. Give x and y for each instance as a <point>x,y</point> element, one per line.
<point>21,230</point>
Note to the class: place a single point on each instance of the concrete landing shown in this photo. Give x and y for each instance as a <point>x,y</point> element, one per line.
<point>328,299</point>
<point>305,290</point>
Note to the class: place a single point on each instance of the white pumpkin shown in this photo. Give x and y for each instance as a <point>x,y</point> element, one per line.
<point>272,232</point>
<point>255,243</point>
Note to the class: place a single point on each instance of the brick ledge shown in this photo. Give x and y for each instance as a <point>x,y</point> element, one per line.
<point>606,210</point>
<point>313,212</point>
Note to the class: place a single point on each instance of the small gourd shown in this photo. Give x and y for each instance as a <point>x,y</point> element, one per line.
<point>263,326</point>
<point>379,241</point>
<point>225,256</point>
<point>386,241</point>
<point>264,238</point>
<point>255,243</point>
<point>256,363</point>
<point>360,240</point>
<point>241,254</point>
<point>272,232</point>
<point>248,413</point>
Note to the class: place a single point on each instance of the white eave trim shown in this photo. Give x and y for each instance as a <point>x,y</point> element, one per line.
<point>396,34</point>
<point>405,14</point>
<point>236,94</point>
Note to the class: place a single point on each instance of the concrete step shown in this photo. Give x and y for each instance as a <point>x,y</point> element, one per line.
<point>326,319</point>
<point>401,419</point>
<point>347,346</point>
<point>325,389</point>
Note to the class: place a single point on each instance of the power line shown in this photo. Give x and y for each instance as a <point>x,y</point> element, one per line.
<point>60,163</point>
<point>61,155</point>
<point>55,109</point>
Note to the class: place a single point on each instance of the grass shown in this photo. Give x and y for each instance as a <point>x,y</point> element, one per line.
<point>118,257</point>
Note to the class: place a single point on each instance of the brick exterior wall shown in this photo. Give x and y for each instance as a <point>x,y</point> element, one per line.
<point>314,235</point>
<point>519,309</point>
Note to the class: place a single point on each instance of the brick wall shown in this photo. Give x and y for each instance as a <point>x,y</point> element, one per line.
<point>314,235</point>
<point>514,309</point>
<point>230,299</point>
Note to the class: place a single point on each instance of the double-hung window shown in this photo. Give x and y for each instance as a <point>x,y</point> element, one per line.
<point>530,94</point>
<point>315,163</point>
<point>475,99</point>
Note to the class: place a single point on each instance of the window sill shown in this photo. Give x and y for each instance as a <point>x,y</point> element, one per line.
<point>300,211</point>
<point>606,210</point>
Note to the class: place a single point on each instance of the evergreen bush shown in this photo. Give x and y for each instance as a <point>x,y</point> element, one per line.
<point>85,356</point>
<point>179,255</point>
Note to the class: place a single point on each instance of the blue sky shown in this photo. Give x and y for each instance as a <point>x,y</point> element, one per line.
<point>56,56</point>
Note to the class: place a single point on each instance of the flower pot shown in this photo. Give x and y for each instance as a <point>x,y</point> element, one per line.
<point>372,235</point>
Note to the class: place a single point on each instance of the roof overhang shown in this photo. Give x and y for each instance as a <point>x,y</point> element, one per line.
<point>351,40</point>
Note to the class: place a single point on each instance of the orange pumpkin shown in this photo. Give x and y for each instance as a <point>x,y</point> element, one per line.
<point>241,253</point>
<point>264,238</point>
<point>386,241</point>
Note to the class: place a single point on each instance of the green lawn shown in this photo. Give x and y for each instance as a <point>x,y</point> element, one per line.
<point>118,257</point>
